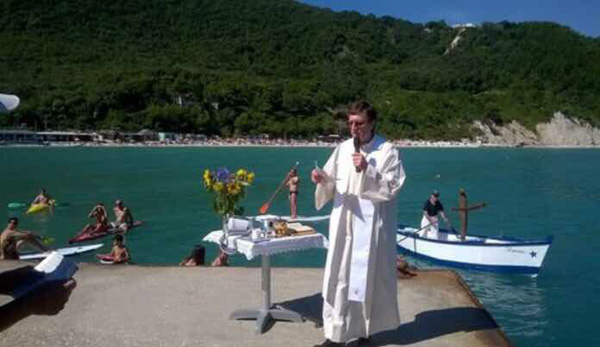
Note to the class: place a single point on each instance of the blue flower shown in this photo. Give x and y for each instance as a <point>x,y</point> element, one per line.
<point>222,174</point>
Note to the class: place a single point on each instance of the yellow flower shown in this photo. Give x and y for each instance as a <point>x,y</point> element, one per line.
<point>207,177</point>
<point>218,187</point>
<point>241,174</point>
<point>251,177</point>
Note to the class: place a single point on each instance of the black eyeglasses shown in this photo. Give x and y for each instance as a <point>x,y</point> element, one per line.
<point>356,124</point>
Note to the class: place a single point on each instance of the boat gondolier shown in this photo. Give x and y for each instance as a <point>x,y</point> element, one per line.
<point>362,177</point>
<point>430,223</point>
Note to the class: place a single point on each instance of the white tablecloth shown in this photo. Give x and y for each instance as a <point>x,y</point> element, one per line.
<point>251,249</point>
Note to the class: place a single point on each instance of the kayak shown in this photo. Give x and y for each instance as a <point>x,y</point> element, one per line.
<point>67,251</point>
<point>35,208</point>
<point>87,236</point>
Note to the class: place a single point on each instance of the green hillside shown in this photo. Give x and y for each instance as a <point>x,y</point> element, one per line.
<point>281,67</point>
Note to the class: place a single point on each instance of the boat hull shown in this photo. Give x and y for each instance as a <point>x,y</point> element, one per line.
<point>499,254</point>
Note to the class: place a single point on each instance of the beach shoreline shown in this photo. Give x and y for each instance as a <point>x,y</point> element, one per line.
<point>283,143</point>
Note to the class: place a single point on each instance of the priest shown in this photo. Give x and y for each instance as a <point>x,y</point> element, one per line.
<point>362,178</point>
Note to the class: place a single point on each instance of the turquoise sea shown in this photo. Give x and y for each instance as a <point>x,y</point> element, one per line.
<point>530,192</point>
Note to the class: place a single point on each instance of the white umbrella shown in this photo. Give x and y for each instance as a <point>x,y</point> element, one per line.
<point>8,102</point>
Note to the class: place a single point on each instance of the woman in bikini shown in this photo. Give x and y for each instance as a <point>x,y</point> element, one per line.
<point>293,183</point>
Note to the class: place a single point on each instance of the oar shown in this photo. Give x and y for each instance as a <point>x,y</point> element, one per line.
<point>16,205</point>
<point>263,209</point>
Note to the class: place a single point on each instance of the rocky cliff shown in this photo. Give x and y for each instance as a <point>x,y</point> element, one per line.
<point>560,131</point>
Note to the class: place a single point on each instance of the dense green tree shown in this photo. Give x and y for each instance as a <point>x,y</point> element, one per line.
<point>237,67</point>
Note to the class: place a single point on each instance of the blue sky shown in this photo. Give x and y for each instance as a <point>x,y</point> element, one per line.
<point>580,15</point>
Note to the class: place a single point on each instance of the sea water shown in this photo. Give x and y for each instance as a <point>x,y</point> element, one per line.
<point>530,193</point>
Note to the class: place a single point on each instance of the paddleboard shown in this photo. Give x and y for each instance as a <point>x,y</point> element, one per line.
<point>8,102</point>
<point>65,252</point>
<point>105,258</point>
<point>80,237</point>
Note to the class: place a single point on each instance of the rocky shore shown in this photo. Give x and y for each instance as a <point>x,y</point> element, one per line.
<point>561,131</point>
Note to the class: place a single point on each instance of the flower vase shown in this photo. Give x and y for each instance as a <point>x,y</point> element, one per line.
<point>224,242</point>
<point>224,221</point>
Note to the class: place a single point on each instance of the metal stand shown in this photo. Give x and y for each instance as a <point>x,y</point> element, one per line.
<point>266,312</point>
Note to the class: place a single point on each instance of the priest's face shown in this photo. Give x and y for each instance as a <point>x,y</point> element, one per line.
<point>360,127</point>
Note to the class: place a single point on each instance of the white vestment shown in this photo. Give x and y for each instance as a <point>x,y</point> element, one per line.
<point>359,285</point>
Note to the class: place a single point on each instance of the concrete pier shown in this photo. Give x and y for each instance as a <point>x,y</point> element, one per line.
<point>175,306</point>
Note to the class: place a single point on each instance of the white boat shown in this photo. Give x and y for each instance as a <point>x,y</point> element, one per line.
<point>65,252</point>
<point>498,254</point>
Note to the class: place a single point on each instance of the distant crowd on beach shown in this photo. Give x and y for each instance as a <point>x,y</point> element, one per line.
<point>143,138</point>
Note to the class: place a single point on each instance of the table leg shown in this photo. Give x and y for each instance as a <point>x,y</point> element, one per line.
<point>266,282</point>
<point>266,313</point>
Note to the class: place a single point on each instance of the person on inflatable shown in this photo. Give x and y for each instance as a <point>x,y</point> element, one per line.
<point>42,198</point>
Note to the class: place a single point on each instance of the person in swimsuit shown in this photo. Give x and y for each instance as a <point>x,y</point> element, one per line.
<point>120,252</point>
<point>42,198</point>
<point>293,182</point>
<point>197,257</point>
<point>12,239</point>
<point>101,215</point>
<point>123,217</point>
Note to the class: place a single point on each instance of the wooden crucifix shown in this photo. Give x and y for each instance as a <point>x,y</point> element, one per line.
<point>463,211</point>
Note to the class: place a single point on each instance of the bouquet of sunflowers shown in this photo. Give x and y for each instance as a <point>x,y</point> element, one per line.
<point>228,187</point>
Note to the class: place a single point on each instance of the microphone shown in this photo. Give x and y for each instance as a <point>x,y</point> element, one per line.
<point>356,149</point>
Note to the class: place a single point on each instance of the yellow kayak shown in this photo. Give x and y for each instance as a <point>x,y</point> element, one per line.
<point>35,208</point>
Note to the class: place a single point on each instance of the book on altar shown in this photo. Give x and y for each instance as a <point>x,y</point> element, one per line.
<point>300,229</point>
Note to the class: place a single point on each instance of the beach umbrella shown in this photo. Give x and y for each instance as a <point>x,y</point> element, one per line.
<point>8,102</point>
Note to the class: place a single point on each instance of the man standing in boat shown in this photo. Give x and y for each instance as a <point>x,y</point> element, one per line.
<point>430,223</point>
<point>362,177</point>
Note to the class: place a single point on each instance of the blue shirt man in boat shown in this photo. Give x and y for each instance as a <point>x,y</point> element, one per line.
<point>432,210</point>
<point>362,177</point>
